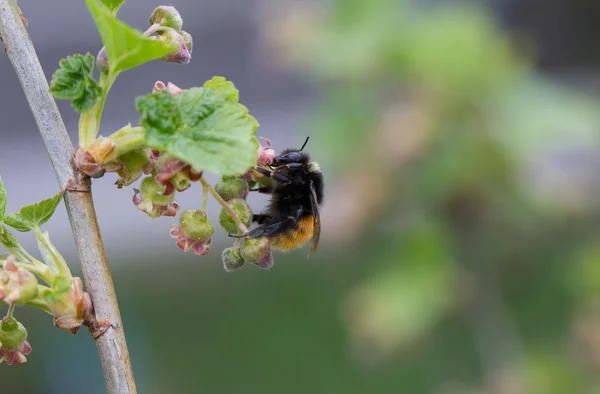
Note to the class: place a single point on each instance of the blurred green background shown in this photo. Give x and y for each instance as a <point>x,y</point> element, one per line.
<point>460,248</point>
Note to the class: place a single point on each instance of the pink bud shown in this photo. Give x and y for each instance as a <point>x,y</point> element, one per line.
<point>171,88</point>
<point>17,285</point>
<point>266,155</point>
<point>71,310</point>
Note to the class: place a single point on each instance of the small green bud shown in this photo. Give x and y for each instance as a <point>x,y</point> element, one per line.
<point>232,259</point>
<point>193,232</point>
<point>257,251</point>
<point>181,54</point>
<point>102,61</point>
<point>232,187</point>
<point>243,212</point>
<point>166,16</point>
<point>13,341</point>
<point>195,225</point>
<point>189,41</point>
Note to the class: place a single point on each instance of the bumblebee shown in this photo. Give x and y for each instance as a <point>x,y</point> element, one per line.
<point>292,215</point>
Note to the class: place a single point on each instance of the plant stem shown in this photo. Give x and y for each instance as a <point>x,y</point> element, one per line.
<point>128,139</point>
<point>204,197</point>
<point>224,204</point>
<point>11,309</point>
<point>44,273</point>
<point>112,346</point>
<point>89,122</point>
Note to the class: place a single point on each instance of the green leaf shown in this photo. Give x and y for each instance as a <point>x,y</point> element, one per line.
<point>2,201</point>
<point>74,81</point>
<point>205,127</point>
<point>126,47</point>
<point>7,239</point>
<point>113,5</point>
<point>34,215</point>
<point>18,222</point>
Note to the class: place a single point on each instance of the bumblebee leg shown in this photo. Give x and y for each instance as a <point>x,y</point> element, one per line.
<point>269,229</point>
<point>263,171</point>
<point>274,175</point>
<point>280,178</point>
<point>264,190</point>
<point>260,218</point>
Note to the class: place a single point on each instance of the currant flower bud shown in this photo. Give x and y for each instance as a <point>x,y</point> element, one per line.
<point>257,251</point>
<point>242,211</point>
<point>169,87</point>
<point>175,174</point>
<point>100,156</point>
<point>166,16</point>
<point>194,232</point>
<point>71,310</point>
<point>232,187</point>
<point>265,153</point>
<point>134,164</point>
<point>102,61</point>
<point>232,259</point>
<point>188,40</point>
<point>17,285</point>
<point>181,54</point>
<point>13,342</point>
<point>153,201</point>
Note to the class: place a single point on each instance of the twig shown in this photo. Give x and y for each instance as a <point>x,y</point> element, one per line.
<point>224,204</point>
<point>112,346</point>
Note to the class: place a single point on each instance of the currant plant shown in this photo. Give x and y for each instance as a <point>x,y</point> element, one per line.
<point>180,135</point>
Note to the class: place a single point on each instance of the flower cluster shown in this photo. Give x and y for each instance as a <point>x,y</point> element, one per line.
<point>166,22</point>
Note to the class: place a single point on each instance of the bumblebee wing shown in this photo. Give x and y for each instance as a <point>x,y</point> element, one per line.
<point>316,221</point>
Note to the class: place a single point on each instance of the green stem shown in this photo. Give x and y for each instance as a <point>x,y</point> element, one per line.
<point>11,309</point>
<point>205,196</point>
<point>28,255</point>
<point>58,260</point>
<point>44,272</point>
<point>225,206</point>
<point>40,304</point>
<point>17,254</point>
<point>128,139</point>
<point>89,122</point>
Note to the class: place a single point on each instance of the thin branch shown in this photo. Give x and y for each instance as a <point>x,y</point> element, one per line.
<point>112,346</point>
<point>223,203</point>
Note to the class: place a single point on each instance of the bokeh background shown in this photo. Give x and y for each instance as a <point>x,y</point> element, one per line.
<point>461,240</point>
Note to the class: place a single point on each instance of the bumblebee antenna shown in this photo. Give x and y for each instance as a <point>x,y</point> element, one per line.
<point>304,144</point>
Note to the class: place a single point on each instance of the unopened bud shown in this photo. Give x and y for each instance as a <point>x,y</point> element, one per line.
<point>265,153</point>
<point>13,341</point>
<point>169,87</point>
<point>166,16</point>
<point>72,308</point>
<point>181,54</point>
<point>232,187</point>
<point>242,211</point>
<point>17,285</point>
<point>232,259</point>
<point>257,251</point>
<point>102,61</point>
<point>99,156</point>
<point>189,41</point>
